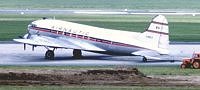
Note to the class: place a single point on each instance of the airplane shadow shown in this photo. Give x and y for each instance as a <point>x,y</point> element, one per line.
<point>156,61</point>
<point>70,58</point>
<point>133,59</point>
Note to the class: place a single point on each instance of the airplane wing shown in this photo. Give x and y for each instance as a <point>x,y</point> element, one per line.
<point>58,42</point>
<point>152,55</point>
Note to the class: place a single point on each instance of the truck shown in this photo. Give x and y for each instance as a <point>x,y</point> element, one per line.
<point>193,62</point>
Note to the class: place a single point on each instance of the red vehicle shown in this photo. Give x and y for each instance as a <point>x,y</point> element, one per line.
<point>193,62</point>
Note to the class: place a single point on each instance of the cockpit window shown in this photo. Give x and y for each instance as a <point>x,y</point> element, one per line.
<point>32,25</point>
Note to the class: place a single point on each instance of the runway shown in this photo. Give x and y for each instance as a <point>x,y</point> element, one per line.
<point>13,54</point>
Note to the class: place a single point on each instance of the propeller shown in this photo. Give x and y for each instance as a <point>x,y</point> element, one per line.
<point>20,36</point>
<point>29,35</point>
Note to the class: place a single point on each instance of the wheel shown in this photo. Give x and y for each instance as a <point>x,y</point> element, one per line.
<point>77,53</point>
<point>196,65</point>
<point>183,66</point>
<point>144,59</point>
<point>49,55</point>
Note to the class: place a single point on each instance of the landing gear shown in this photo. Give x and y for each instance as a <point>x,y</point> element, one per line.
<point>144,59</point>
<point>49,55</point>
<point>77,54</point>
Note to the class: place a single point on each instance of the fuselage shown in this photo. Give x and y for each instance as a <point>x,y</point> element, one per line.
<point>113,41</point>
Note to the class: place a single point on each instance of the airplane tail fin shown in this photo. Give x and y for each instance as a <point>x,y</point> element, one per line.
<point>157,34</point>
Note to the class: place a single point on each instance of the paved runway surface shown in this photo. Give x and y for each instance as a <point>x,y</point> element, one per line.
<point>13,54</point>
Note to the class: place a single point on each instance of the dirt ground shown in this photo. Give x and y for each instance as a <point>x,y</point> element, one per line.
<point>119,76</point>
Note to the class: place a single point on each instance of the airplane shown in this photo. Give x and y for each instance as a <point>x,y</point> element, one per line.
<point>53,34</point>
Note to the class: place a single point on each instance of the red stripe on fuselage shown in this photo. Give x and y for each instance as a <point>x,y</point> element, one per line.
<point>157,32</point>
<point>160,23</point>
<point>41,29</point>
<point>86,37</point>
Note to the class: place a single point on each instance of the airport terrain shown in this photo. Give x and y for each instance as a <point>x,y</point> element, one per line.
<point>182,28</point>
<point>96,77</point>
<point>14,25</point>
<point>119,76</point>
<point>28,67</point>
